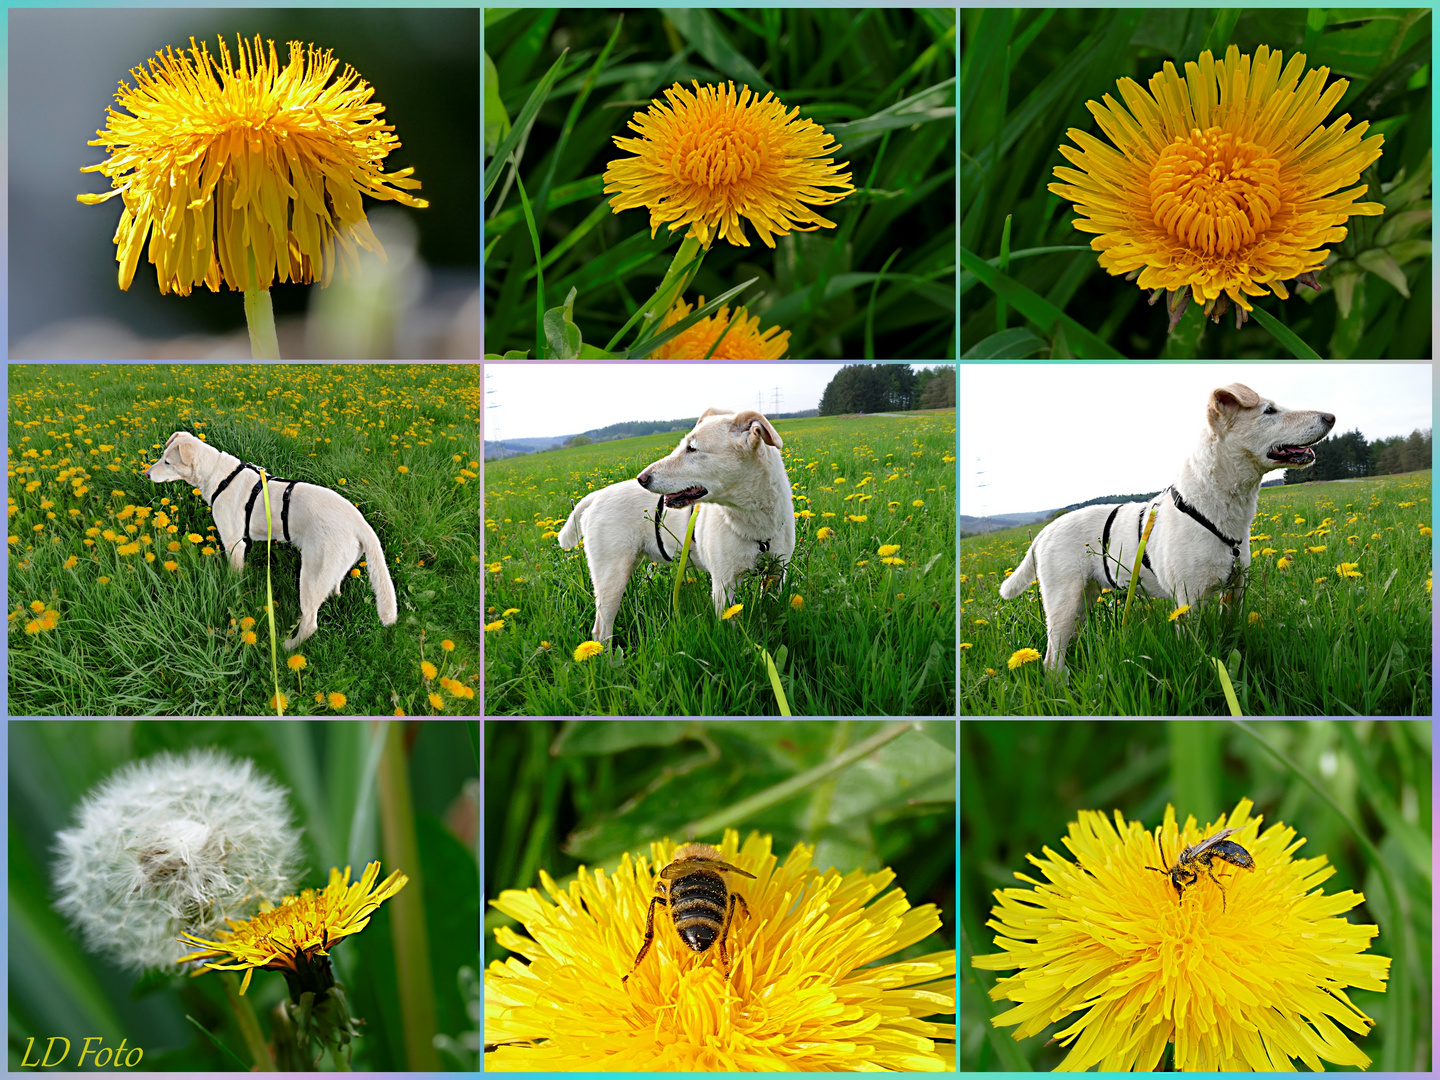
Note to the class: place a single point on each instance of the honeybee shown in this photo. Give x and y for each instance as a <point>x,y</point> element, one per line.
<point>1183,873</point>
<point>701,904</point>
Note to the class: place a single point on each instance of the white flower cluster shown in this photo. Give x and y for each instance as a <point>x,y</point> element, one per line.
<point>172,844</point>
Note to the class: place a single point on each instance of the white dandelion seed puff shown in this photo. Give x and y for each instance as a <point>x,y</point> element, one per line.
<point>174,844</point>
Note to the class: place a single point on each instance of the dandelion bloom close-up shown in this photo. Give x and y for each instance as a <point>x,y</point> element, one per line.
<point>1221,185</point>
<point>221,162</point>
<point>738,340</point>
<point>808,988</point>
<point>1240,967</point>
<point>709,158</point>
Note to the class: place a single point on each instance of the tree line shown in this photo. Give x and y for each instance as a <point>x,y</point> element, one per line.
<point>1343,457</point>
<point>873,388</point>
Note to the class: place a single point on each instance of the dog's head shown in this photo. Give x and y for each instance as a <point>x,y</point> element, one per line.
<point>178,459</point>
<point>1267,435</point>
<point>715,461</point>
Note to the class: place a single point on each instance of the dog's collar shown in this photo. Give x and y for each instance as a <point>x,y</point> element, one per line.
<point>764,545</point>
<point>1187,509</point>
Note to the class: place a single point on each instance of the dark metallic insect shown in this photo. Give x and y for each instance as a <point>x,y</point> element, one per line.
<point>1184,872</point>
<point>701,904</point>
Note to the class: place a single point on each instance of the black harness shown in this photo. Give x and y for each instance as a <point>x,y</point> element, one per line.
<point>1184,508</point>
<point>659,510</point>
<point>255,494</point>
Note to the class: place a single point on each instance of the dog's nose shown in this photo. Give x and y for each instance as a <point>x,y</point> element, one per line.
<point>1328,418</point>
<point>644,479</point>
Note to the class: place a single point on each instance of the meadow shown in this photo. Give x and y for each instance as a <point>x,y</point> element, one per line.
<point>1335,621</point>
<point>120,598</point>
<point>852,632</point>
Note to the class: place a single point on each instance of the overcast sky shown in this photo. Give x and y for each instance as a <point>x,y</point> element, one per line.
<point>531,401</point>
<point>1040,436</point>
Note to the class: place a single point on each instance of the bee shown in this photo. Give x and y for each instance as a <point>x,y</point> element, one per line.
<point>1183,873</point>
<point>701,904</point>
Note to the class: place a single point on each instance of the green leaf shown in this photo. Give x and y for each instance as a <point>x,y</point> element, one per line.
<point>1037,309</point>
<point>561,333</point>
<point>523,122</point>
<point>1383,265</point>
<point>511,354</point>
<point>1284,334</point>
<point>705,37</point>
<point>1017,343</point>
<point>497,121</point>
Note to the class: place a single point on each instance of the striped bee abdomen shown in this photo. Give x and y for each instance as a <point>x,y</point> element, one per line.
<point>697,904</point>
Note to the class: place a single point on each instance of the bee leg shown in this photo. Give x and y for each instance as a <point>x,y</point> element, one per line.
<point>725,930</point>
<point>649,934</point>
<point>1211,871</point>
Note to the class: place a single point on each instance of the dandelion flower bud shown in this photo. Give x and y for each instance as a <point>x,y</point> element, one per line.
<point>173,844</point>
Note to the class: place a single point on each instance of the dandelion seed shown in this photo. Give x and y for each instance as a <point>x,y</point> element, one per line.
<point>1225,184</point>
<point>173,844</point>
<point>245,173</point>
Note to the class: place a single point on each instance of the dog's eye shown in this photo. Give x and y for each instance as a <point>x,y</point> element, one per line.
<point>690,449</point>
<point>1270,409</point>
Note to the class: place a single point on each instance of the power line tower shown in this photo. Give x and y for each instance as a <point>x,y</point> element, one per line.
<point>775,411</point>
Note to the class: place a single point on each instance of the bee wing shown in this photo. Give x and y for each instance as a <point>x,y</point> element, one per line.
<point>1210,841</point>
<point>675,870</point>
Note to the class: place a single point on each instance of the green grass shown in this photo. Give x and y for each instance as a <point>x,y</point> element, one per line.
<point>869,639</point>
<point>132,636</point>
<point>882,82</point>
<point>1025,78</point>
<point>1298,646</point>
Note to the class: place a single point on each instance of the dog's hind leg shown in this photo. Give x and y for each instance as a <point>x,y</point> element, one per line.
<point>318,582</point>
<point>610,573</point>
<point>1064,612</point>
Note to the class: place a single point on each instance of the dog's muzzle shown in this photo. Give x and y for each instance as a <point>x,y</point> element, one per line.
<point>1292,455</point>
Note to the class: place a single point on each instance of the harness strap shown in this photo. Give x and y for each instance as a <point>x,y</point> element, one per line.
<point>226,482</point>
<point>660,509</point>
<point>249,506</point>
<point>1105,546</point>
<point>1186,508</point>
<point>285,509</point>
<point>255,494</point>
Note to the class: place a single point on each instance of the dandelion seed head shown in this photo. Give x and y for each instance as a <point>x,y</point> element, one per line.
<point>173,844</point>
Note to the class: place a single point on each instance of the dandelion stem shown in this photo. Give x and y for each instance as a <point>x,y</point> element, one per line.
<point>259,316</point>
<point>249,1024</point>
<point>672,285</point>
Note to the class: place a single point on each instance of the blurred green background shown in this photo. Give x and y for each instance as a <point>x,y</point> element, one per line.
<point>57,988</point>
<point>559,794</point>
<point>1022,783</point>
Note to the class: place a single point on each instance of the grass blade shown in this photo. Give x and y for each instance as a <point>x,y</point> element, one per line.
<point>1284,334</point>
<point>522,124</point>
<point>1036,308</point>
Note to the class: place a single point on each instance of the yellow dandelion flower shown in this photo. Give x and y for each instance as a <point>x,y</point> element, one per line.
<point>1221,185</point>
<point>888,549</point>
<point>1109,915</point>
<point>436,701</point>
<point>587,649</point>
<point>220,162</point>
<point>428,669</point>
<point>1349,569</point>
<point>449,646</point>
<point>709,158</point>
<point>805,941</point>
<point>1021,656</point>
<point>825,533</point>
<point>335,699</point>
<point>492,627</point>
<point>296,662</point>
<point>732,611</point>
<point>296,937</point>
<point>1181,610</point>
<point>797,601</point>
<point>740,340</point>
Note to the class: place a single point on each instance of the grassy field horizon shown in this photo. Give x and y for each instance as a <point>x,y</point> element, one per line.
<point>867,637</point>
<point>1336,620</point>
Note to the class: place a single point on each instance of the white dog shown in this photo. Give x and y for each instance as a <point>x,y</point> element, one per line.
<point>331,534</point>
<point>1202,525</point>
<point>730,467</point>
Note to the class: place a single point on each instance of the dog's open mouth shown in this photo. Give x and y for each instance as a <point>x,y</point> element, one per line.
<point>686,497</point>
<point>1292,455</point>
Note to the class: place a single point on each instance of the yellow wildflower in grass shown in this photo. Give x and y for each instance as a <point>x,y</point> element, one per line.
<point>248,637</point>
<point>296,937</point>
<point>893,561</point>
<point>504,614</point>
<point>296,662</point>
<point>732,611</point>
<point>709,158</point>
<point>1315,550</point>
<point>1349,570</point>
<point>1125,925</point>
<point>1283,563</point>
<point>798,974</point>
<point>247,622</point>
<point>587,649</point>
<point>1181,610</point>
<point>740,341</point>
<point>825,533</point>
<point>797,601</point>
<point>428,669</point>
<point>436,701</point>
<point>1225,183</point>
<point>335,699</point>
<point>492,627</point>
<point>171,565</point>
<point>888,549</point>
<point>857,517</point>
<point>102,581</point>
<point>284,703</point>
<point>219,160</point>
<point>449,646</point>
<point>403,469</point>
<point>37,606</point>
<point>1021,656</point>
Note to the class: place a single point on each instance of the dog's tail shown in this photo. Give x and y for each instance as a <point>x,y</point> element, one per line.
<point>1024,574</point>
<point>570,532</point>
<point>379,576</point>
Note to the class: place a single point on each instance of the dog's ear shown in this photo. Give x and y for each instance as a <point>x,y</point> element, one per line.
<point>714,412</point>
<point>186,448</point>
<point>1228,400</point>
<point>760,429</point>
